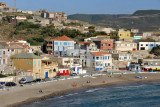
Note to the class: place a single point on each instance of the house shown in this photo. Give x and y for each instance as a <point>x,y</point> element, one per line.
<point>146,44</point>
<point>60,45</point>
<point>49,68</point>
<point>21,43</point>
<point>100,61</point>
<point>124,34</point>
<point>68,61</point>
<point>16,19</point>
<point>135,67</point>
<point>16,49</point>
<point>56,16</point>
<point>4,8</point>
<point>75,52</point>
<point>106,44</point>
<point>29,63</point>
<point>150,64</point>
<point>3,55</point>
<point>98,37</point>
<point>125,46</point>
<point>135,31</point>
<point>106,30</point>
<point>88,46</point>
<point>147,35</point>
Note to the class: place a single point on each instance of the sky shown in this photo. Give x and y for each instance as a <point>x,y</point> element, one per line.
<point>87,6</point>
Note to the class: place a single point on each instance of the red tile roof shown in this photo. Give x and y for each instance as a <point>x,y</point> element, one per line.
<point>99,53</point>
<point>20,44</point>
<point>63,38</point>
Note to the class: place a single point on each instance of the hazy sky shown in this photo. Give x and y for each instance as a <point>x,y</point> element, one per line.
<point>87,6</point>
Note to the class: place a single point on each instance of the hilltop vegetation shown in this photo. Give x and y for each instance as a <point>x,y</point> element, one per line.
<point>36,34</point>
<point>145,20</point>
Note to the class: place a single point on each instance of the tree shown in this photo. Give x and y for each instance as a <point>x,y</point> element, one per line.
<point>155,51</point>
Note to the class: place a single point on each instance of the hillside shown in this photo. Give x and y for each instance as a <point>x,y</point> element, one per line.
<point>145,20</point>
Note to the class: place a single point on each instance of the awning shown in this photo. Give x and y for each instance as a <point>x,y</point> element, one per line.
<point>154,68</point>
<point>158,68</point>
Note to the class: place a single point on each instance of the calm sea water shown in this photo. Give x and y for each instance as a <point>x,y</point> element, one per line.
<point>128,95</point>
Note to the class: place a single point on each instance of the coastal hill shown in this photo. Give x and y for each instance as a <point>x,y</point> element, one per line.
<point>145,20</point>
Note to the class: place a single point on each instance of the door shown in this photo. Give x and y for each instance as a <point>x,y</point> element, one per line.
<point>64,72</point>
<point>46,75</point>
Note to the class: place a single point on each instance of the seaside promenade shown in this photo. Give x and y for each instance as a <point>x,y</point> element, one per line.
<point>41,91</point>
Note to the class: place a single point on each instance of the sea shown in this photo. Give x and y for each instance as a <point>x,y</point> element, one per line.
<point>126,95</point>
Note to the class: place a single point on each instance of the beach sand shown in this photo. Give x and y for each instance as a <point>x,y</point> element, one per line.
<point>30,93</point>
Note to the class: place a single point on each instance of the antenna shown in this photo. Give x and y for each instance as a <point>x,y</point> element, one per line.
<point>15,3</point>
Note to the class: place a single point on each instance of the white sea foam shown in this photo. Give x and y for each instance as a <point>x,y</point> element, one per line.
<point>93,90</point>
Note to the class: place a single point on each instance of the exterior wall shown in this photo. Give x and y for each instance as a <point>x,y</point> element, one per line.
<point>106,45</point>
<point>4,56</point>
<point>60,47</point>
<point>30,65</point>
<point>147,34</point>
<point>23,64</point>
<point>75,52</point>
<point>51,69</point>
<point>66,61</point>
<point>124,34</point>
<point>148,45</point>
<point>125,46</point>
<point>99,62</point>
<point>91,48</point>
<point>151,62</point>
<point>125,57</point>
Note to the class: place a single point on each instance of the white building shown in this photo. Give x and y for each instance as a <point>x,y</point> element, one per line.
<point>125,46</point>
<point>147,44</point>
<point>101,61</point>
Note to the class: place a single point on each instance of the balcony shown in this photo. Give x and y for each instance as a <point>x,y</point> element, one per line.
<point>49,44</point>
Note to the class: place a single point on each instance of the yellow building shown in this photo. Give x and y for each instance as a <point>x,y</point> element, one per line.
<point>49,68</point>
<point>124,34</point>
<point>29,63</point>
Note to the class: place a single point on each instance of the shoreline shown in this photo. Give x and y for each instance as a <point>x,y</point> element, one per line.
<point>116,80</point>
<point>70,90</point>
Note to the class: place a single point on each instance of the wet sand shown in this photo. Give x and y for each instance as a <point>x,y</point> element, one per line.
<point>30,93</point>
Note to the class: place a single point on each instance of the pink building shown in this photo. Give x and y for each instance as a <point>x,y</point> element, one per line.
<point>106,44</point>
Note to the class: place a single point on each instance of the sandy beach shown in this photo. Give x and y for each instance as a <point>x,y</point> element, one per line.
<point>30,93</point>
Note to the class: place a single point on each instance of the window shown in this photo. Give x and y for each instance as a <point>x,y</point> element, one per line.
<point>141,44</point>
<point>4,61</point>
<point>55,43</point>
<point>34,63</point>
<point>4,52</point>
<point>29,63</point>
<point>108,57</point>
<point>39,63</point>
<point>0,61</point>
<point>93,57</point>
<point>65,43</point>
<point>146,44</point>
<point>125,57</point>
<point>109,44</point>
<point>97,58</point>
<point>108,64</point>
<point>157,45</point>
<point>151,44</point>
<point>0,52</point>
<point>97,64</point>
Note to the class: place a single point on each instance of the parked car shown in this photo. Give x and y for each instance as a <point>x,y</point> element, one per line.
<point>141,77</point>
<point>73,74</point>
<point>9,84</point>
<point>37,80</point>
<point>1,87</point>
<point>47,79</point>
<point>26,80</point>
